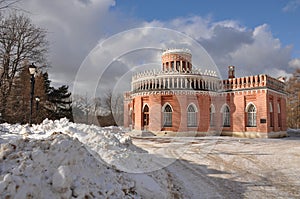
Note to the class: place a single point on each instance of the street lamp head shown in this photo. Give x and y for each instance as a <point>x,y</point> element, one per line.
<point>32,69</point>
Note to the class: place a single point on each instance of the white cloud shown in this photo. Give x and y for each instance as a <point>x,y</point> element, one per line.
<point>291,6</point>
<point>252,51</point>
<point>263,55</point>
<point>76,26</point>
<point>294,63</point>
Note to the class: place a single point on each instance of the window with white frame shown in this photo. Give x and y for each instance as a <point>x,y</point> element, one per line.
<point>212,115</point>
<point>251,116</point>
<point>167,116</point>
<point>279,115</point>
<point>146,115</point>
<point>226,116</point>
<point>191,116</point>
<point>271,114</point>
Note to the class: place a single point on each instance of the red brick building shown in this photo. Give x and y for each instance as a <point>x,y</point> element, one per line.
<point>179,98</point>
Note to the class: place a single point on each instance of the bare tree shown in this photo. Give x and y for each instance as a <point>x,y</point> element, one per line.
<point>17,108</point>
<point>293,100</point>
<point>86,109</point>
<point>21,42</point>
<point>8,4</point>
<point>114,104</point>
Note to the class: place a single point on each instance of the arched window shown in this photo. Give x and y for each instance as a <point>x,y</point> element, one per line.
<point>191,116</point>
<point>130,116</point>
<point>212,115</point>
<point>271,114</point>
<point>167,116</point>
<point>226,116</point>
<point>251,116</point>
<point>279,114</point>
<point>146,115</point>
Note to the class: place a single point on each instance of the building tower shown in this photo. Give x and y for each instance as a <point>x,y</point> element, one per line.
<point>179,60</point>
<point>159,99</point>
<point>231,72</point>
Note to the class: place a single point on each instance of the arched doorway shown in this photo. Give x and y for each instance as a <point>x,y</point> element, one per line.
<point>145,117</point>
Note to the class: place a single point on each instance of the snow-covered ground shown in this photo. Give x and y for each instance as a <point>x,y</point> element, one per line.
<point>226,167</point>
<point>60,159</point>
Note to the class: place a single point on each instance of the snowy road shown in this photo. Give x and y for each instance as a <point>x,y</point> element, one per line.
<point>224,167</point>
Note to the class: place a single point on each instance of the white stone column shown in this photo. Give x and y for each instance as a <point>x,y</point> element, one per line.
<point>173,82</point>
<point>159,83</point>
<point>180,67</point>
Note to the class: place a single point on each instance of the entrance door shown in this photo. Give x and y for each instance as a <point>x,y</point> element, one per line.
<point>146,117</point>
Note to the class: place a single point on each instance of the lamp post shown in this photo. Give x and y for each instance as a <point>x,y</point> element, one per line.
<point>32,70</point>
<point>37,101</point>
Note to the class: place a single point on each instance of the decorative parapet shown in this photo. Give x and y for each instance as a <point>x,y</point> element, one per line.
<point>275,84</point>
<point>176,50</point>
<point>127,95</point>
<point>156,72</point>
<point>253,82</point>
<point>173,92</point>
<point>175,80</point>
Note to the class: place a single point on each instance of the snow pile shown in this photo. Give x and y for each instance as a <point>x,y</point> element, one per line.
<point>109,142</point>
<point>58,167</point>
<point>61,159</point>
<point>293,132</point>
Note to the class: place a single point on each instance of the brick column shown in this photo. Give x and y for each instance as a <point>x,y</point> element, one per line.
<point>239,116</point>
<point>126,114</point>
<point>138,113</point>
<point>155,115</point>
<point>275,112</point>
<point>180,117</point>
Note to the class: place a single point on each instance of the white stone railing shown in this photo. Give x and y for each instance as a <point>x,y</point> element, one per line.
<point>176,82</point>
<point>156,72</point>
<point>253,82</point>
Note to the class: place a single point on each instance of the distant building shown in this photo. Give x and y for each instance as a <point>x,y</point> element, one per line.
<point>179,98</point>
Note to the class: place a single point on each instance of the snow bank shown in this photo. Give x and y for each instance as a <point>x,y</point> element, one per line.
<point>58,167</point>
<point>61,159</point>
<point>293,132</point>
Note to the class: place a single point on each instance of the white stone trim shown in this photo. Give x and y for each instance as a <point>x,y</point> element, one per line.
<point>248,105</point>
<point>164,106</point>
<point>192,104</point>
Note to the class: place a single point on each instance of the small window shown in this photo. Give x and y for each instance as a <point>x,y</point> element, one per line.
<point>167,116</point>
<point>251,116</point>
<point>279,115</point>
<point>271,114</point>
<point>226,116</point>
<point>212,115</point>
<point>191,116</point>
<point>146,115</point>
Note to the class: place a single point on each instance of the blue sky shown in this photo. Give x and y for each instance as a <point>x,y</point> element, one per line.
<point>258,37</point>
<point>281,15</point>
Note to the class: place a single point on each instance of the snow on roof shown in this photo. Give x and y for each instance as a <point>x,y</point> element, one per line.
<point>177,50</point>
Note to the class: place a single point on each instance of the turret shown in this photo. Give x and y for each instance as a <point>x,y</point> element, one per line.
<point>179,60</point>
<point>231,72</point>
